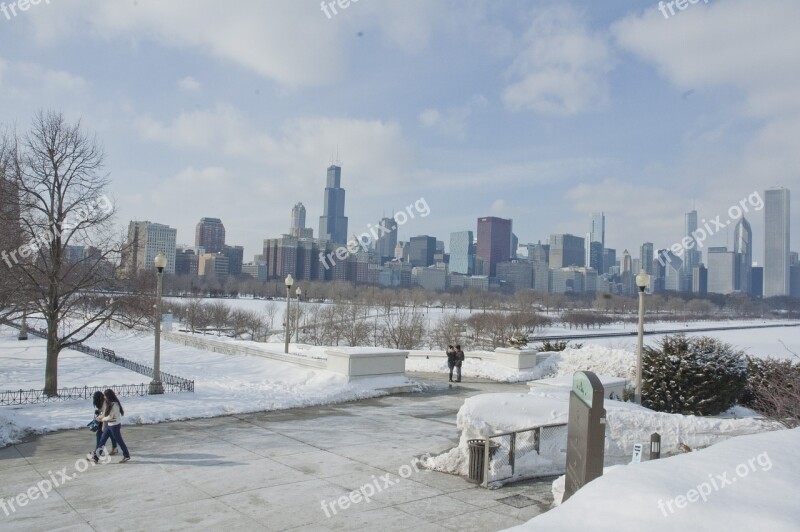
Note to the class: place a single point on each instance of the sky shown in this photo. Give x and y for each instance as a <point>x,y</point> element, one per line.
<point>536,110</point>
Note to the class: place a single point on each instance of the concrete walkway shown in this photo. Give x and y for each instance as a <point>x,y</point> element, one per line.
<point>270,471</point>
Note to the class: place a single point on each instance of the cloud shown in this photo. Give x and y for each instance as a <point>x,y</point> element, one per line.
<point>454,121</point>
<point>189,84</point>
<point>24,78</point>
<point>563,67</point>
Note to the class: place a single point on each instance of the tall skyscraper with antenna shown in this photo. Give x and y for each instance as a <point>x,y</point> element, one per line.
<point>333,222</point>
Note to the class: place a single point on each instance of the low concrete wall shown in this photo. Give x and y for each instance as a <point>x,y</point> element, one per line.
<point>354,362</point>
<point>515,358</point>
<point>229,348</point>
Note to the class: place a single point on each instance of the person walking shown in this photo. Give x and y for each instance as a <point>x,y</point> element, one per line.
<point>98,399</point>
<point>451,360</point>
<point>459,361</point>
<point>112,415</point>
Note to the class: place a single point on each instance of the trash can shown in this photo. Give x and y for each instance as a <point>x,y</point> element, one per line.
<point>476,455</point>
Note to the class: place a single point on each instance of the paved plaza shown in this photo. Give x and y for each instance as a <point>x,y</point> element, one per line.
<point>272,471</point>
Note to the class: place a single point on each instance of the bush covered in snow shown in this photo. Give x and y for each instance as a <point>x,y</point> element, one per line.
<point>773,389</point>
<point>692,375</point>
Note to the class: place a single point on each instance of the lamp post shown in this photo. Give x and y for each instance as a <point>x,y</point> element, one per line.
<point>642,281</point>
<point>288,282</point>
<point>297,317</point>
<point>156,387</point>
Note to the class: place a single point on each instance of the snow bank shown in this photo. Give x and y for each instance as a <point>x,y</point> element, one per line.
<point>627,424</point>
<point>745,483</point>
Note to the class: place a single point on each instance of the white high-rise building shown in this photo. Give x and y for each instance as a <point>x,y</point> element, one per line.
<point>145,241</point>
<point>776,242</point>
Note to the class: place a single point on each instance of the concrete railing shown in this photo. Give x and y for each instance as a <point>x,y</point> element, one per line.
<point>352,362</point>
<point>231,348</point>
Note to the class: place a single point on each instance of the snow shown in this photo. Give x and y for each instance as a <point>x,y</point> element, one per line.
<point>224,384</point>
<point>626,424</point>
<point>744,483</point>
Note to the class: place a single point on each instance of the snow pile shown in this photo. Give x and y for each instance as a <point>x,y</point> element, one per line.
<point>745,483</point>
<point>601,360</point>
<point>627,424</point>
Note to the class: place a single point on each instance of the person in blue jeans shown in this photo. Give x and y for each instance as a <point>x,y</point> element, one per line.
<point>459,360</point>
<point>112,416</point>
<point>98,399</point>
<point>451,360</point>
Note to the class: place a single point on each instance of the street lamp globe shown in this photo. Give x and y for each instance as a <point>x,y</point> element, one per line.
<point>642,280</point>
<point>160,261</point>
<point>298,292</point>
<point>289,281</point>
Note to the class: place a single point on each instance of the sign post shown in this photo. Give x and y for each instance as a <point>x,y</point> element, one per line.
<point>586,432</point>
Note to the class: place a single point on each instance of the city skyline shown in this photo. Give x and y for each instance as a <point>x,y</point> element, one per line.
<point>639,121</point>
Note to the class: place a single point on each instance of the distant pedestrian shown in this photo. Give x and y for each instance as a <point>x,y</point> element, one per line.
<point>98,399</point>
<point>112,416</point>
<point>451,360</point>
<point>459,361</point>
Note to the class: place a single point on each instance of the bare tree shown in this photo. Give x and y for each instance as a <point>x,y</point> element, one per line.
<point>271,310</point>
<point>351,324</point>
<point>59,172</point>
<point>404,328</point>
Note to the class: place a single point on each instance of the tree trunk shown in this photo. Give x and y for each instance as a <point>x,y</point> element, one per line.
<point>51,366</point>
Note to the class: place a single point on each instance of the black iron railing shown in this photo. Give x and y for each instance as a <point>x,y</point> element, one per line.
<point>24,397</point>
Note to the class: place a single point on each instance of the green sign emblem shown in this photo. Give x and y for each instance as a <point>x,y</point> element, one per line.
<point>582,387</point>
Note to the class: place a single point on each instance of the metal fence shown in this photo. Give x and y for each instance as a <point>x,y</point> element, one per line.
<point>526,453</point>
<point>172,383</point>
<point>23,397</point>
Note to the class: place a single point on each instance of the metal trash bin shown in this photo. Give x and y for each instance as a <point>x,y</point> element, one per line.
<point>476,454</point>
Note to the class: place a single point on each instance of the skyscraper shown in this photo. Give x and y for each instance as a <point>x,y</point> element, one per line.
<point>494,243</point>
<point>333,222</point>
<point>462,252</point>
<point>421,250</point>
<point>776,242</point>
<point>597,233</point>
<point>743,247</point>
<point>646,257</point>
<point>693,256</point>
<point>566,250</point>
<point>387,240</point>
<point>145,241</point>
<point>210,235</point>
<point>298,216</point>
<point>723,270</point>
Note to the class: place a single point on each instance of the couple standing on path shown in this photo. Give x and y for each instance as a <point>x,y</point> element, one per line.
<point>455,357</point>
<point>108,411</point>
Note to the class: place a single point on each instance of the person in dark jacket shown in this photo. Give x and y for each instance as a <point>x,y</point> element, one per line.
<point>459,360</point>
<point>451,360</point>
<point>98,399</point>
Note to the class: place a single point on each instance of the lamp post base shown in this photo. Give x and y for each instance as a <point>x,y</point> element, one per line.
<point>23,335</point>
<point>155,388</point>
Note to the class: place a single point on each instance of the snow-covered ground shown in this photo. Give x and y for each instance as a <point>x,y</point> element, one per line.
<point>224,384</point>
<point>745,483</point>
